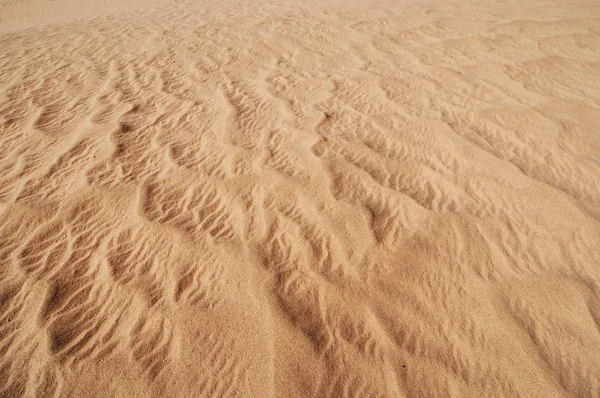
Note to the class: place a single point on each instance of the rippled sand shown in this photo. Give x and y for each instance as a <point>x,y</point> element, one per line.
<point>299,199</point>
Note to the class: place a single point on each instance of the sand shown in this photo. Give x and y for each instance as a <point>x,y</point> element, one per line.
<point>271,198</point>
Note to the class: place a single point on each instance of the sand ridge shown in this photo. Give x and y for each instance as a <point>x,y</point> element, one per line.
<point>313,199</point>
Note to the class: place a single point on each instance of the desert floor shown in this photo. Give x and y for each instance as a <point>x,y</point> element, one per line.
<point>271,198</point>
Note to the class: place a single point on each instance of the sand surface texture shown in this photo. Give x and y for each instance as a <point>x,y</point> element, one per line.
<point>299,199</point>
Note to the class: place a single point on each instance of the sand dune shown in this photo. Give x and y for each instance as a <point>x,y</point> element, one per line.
<point>299,199</point>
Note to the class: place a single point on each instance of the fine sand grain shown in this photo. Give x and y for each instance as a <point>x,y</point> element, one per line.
<point>271,198</point>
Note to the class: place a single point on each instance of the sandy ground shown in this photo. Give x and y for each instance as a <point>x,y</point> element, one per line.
<point>299,199</point>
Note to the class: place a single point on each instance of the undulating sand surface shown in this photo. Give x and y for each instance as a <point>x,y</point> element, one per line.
<point>299,198</point>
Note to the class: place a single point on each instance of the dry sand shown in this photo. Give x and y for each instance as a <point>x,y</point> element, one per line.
<point>299,199</point>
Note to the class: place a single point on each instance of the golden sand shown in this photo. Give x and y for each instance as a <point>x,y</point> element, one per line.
<point>299,199</point>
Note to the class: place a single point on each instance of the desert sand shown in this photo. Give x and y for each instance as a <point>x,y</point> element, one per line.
<point>320,198</point>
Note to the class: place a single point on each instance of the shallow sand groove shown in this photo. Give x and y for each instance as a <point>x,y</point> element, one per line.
<point>300,200</point>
